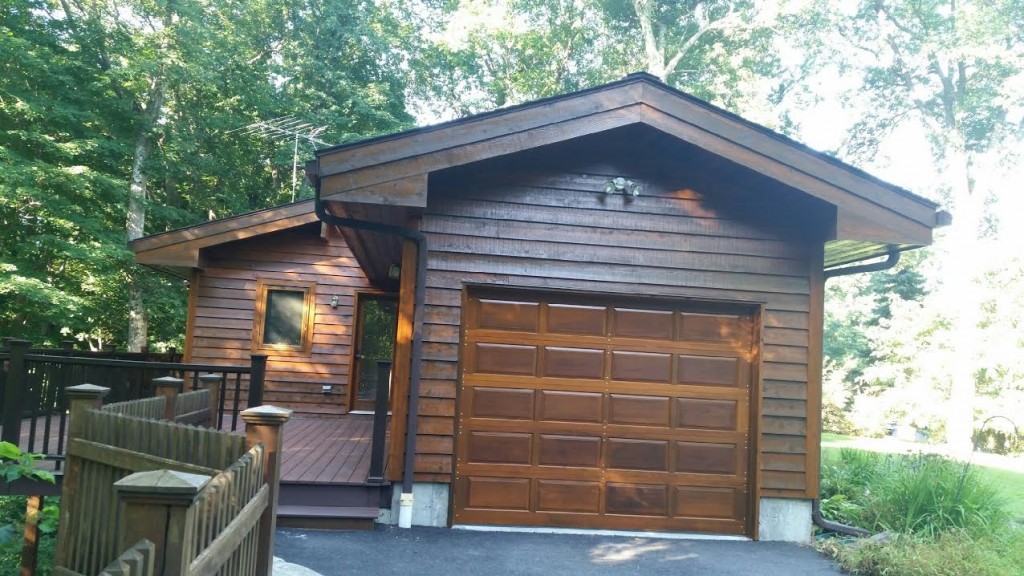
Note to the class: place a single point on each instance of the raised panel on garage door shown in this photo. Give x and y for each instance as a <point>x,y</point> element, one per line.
<point>582,411</point>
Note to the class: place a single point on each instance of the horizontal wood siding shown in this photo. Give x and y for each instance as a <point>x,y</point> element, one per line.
<point>225,292</point>
<point>553,228</point>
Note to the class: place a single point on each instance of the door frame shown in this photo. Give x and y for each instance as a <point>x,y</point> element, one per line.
<point>357,334</point>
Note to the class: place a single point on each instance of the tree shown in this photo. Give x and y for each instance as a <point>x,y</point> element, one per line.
<point>120,118</point>
<point>953,68</point>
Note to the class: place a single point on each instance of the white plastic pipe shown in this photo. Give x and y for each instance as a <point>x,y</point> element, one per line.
<point>405,510</point>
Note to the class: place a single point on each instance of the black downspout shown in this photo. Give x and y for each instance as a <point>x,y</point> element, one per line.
<point>816,517</point>
<point>417,319</point>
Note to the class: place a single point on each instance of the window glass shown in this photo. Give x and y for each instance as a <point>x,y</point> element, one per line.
<point>284,314</point>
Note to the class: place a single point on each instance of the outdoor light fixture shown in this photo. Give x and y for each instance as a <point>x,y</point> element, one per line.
<point>334,301</point>
<point>394,271</point>
<point>620,184</point>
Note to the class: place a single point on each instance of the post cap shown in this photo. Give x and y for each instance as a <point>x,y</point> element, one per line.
<point>266,414</point>
<point>168,381</point>
<point>86,391</point>
<point>210,378</point>
<point>162,483</point>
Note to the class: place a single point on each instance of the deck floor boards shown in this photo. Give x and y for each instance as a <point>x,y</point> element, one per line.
<point>316,450</point>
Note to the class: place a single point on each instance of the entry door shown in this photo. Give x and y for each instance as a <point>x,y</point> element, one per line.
<point>375,348</point>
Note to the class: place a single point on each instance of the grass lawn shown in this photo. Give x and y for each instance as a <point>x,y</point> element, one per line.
<point>1009,482</point>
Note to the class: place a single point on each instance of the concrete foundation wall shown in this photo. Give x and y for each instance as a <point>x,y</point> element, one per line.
<point>785,520</point>
<point>429,505</point>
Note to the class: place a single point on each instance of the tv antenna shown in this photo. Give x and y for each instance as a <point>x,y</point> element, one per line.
<point>287,128</point>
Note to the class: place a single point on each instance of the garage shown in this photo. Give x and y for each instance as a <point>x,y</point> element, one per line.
<point>592,411</point>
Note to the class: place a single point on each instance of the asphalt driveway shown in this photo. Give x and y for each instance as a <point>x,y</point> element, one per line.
<point>443,552</point>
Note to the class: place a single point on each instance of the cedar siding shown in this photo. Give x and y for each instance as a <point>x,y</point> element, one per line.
<point>543,221</point>
<point>222,313</point>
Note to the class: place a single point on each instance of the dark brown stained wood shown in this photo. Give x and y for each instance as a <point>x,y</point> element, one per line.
<point>597,451</point>
<point>814,375</point>
<point>696,413</point>
<point>722,503</point>
<point>573,363</point>
<point>505,359</point>
<point>707,458</point>
<point>575,451</point>
<point>569,496</point>
<point>223,313</point>
<point>638,410</point>
<point>707,370</point>
<point>591,234</point>
<point>636,499</point>
<point>641,366</point>
<point>179,250</point>
<point>569,406</point>
<point>410,191</point>
<point>862,201</point>
<point>509,403</point>
<point>647,324</point>
<point>508,315</point>
<point>469,210</point>
<point>569,319</point>
<point>497,447</point>
<point>504,493</point>
<point>714,328</point>
<point>631,454</point>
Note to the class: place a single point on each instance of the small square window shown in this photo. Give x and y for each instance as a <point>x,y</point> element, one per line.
<point>284,316</point>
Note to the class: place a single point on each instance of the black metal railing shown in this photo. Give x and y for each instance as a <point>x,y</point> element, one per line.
<point>33,382</point>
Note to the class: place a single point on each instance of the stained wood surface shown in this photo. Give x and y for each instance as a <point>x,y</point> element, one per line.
<point>225,301</point>
<point>326,450</point>
<point>543,221</point>
<point>605,412</point>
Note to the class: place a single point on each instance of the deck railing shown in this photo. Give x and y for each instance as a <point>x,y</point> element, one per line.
<point>33,383</point>
<point>186,500</point>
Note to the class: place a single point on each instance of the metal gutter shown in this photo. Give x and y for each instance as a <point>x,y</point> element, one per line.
<point>417,328</point>
<point>816,517</point>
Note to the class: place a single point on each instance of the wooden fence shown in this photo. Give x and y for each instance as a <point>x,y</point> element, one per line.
<point>151,497</point>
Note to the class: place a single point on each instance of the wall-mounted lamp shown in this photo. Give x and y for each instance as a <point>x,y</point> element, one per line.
<point>620,184</point>
<point>394,271</point>
<point>334,301</point>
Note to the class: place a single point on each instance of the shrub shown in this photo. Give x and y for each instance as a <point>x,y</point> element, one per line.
<point>922,495</point>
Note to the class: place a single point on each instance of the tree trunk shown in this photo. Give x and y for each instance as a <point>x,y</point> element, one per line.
<point>961,301</point>
<point>138,321</point>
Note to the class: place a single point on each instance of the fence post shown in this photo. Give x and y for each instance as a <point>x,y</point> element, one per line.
<point>256,376</point>
<point>265,424</point>
<point>169,387</point>
<point>13,390</point>
<point>212,383</point>
<point>155,506</point>
<point>80,399</point>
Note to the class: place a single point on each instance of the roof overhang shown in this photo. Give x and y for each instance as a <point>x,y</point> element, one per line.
<point>872,217</point>
<point>178,251</point>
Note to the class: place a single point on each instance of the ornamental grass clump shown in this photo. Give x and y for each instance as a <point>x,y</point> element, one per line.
<point>942,516</point>
<point>923,495</point>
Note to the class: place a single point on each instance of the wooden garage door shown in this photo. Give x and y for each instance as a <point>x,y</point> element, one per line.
<point>580,412</point>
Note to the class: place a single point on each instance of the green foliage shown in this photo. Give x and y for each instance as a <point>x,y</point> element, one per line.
<point>923,495</point>
<point>12,523</point>
<point>15,464</point>
<point>952,553</point>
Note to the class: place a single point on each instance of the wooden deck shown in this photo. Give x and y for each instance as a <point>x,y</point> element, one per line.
<point>316,450</point>
<point>326,450</point>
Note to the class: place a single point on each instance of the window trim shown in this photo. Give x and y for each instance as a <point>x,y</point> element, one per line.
<point>263,288</point>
